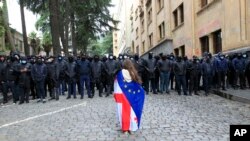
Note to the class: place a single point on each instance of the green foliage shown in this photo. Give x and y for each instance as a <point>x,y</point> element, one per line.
<point>102,46</point>
<point>2,31</point>
<point>92,18</point>
<point>34,42</point>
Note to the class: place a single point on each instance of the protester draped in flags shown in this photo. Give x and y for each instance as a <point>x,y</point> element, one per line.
<point>129,96</point>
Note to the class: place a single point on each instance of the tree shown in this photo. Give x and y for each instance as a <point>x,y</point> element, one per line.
<point>4,13</point>
<point>34,42</point>
<point>102,46</point>
<point>25,39</point>
<point>47,43</point>
<point>54,24</point>
<point>87,20</point>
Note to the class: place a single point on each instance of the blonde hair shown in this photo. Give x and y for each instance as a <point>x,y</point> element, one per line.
<point>128,65</point>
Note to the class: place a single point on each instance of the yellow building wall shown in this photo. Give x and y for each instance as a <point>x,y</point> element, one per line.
<point>231,16</point>
<point>183,34</point>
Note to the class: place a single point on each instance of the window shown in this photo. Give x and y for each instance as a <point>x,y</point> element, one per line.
<point>176,52</point>
<point>203,3</point>
<point>143,46</point>
<point>217,41</point>
<point>150,16</point>
<point>137,32</point>
<point>181,13</point>
<point>162,30</point>
<point>182,49</point>
<point>204,44</point>
<point>175,18</point>
<point>160,4</point>
<point>142,26</point>
<point>150,37</point>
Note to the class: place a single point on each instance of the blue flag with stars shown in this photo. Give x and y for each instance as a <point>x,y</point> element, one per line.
<point>134,94</point>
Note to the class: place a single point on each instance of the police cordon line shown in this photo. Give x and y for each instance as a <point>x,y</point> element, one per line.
<point>50,77</point>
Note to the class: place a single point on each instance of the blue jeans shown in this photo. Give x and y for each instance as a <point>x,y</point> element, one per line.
<point>85,81</point>
<point>164,83</point>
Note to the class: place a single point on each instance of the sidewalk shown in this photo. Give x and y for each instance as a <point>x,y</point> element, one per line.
<point>236,95</point>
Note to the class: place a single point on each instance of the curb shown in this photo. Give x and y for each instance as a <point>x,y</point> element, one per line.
<point>231,96</point>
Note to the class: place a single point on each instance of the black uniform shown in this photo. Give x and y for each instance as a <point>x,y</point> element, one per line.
<point>97,68</point>
<point>194,69</point>
<point>7,80</point>
<point>110,68</point>
<point>151,67</point>
<point>71,77</point>
<point>52,79</point>
<point>39,73</point>
<point>180,74</point>
<point>24,81</point>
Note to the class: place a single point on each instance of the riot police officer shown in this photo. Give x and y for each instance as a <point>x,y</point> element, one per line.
<point>221,68</point>
<point>84,72</point>
<point>24,80</point>
<point>71,76</point>
<point>180,74</point>
<point>52,78</point>
<point>39,73</point>
<point>151,67</point>
<point>207,72</point>
<point>97,68</point>
<point>110,67</point>
<point>194,69</point>
<point>239,67</point>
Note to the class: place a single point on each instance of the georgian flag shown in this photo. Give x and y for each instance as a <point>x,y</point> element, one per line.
<point>129,97</point>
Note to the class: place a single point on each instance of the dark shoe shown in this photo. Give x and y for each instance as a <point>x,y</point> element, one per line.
<point>27,101</point>
<point>44,101</point>
<point>81,97</point>
<point>100,95</point>
<point>155,93</point>
<point>52,98</point>
<point>74,97</point>
<point>107,95</point>
<point>39,100</point>
<point>68,97</point>
<point>167,92</point>
<point>20,103</point>
<point>197,94</point>
<point>89,96</point>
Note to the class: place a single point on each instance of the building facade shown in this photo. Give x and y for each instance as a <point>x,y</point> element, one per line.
<point>121,37</point>
<point>188,27</point>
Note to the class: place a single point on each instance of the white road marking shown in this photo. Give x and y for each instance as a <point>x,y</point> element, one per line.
<point>42,115</point>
